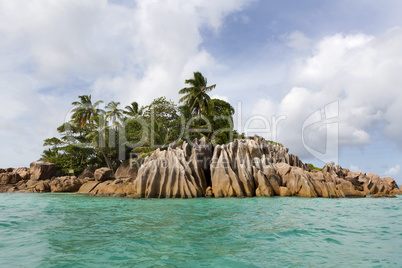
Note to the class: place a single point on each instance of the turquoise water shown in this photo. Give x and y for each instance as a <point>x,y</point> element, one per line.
<point>70,230</point>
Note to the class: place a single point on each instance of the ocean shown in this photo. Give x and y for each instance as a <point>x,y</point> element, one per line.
<point>72,230</point>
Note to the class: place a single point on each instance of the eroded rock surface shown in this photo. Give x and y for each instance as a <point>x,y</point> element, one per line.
<point>243,168</point>
<point>127,170</point>
<point>88,173</point>
<point>65,184</point>
<point>247,168</point>
<point>42,170</point>
<point>175,173</point>
<point>103,174</point>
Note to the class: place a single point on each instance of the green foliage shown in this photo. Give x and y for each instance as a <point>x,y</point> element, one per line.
<point>94,136</point>
<point>222,121</point>
<point>113,113</point>
<point>275,143</point>
<point>162,111</point>
<point>85,111</point>
<point>133,110</point>
<point>67,153</point>
<point>313,168</point>
<point>196,97</point>
<point>162,117</point>
<point>143,152</point>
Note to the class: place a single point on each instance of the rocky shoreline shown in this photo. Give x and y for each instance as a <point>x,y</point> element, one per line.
<point>243,168</point>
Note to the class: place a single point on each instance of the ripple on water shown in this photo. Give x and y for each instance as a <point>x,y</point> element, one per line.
<point>52,230</point>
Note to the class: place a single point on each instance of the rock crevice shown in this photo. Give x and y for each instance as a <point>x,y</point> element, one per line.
<point>243,168</point>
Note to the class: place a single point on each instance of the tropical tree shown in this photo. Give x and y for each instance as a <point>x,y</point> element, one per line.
<point>221,119</point>
<point>85,111</point>
<point>196,97</point>
<point>133,110</point>
<point>70,151</point>
<point>114,113</point>
<point>161,116</point>
<point>99,137</point>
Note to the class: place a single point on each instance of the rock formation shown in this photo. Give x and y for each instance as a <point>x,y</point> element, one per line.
<point>65,184</point>
<point>88,173</point>
<point>243,168</point>
<point>128,169</point>
<point>175,173</point>
<point>247,168</point>
<point>42,170</point>
<point>103,174</point>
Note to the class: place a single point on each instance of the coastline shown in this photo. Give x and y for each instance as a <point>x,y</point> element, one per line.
<point>243,168</point>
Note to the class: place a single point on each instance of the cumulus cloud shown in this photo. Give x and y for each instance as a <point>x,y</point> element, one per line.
<point>361,73</point>
<point>297,40</point>
<point>53,51</point>
<point>393,171</point>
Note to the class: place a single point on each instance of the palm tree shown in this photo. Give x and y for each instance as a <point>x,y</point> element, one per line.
<point>85,111</point>
<point>99,137</point>
<point>132,110</point>
<point>196,95</point>
<point>114,113</point>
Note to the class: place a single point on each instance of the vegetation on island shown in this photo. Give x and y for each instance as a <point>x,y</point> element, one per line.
<point>102,137</point>
<point>313,168</point>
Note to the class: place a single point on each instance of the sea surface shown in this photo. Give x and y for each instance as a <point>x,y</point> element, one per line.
<point>72,230</point>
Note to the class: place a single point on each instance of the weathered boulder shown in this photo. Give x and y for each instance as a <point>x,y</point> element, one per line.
<point>87,187</point>
<point>32,186</point>
<point>23,172</point>
<point>9,178</point>
<point>284,191</point>
<point>203,151</point>
<point>383,195</point>
<point>327,189</point>
<point>348,190</point>
<point>396,191</point>
<point>42,187</point>
<point>232,170</point>
<point>111,188</point>
<point>247,168</point>
<point>297,180</point>
<point>244,168</point>
<point>336,170</point>
<point>373,184</point>
<point>390,181</point>
<point>128,169</point>
<point>170,174</point>
<point>103,174</point>
<point>87,173</point>
<point>42,170</point>
<point>65,184</point>
<point>208,192</point>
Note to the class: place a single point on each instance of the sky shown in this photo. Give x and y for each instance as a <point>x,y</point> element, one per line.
<point>321,77</point>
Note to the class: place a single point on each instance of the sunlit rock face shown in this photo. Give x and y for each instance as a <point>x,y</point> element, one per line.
<point>243,168</point>
<point>246,167</point>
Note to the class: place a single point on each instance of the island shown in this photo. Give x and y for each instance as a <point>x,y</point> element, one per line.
<point>164,150</point>
<point>243,168</point>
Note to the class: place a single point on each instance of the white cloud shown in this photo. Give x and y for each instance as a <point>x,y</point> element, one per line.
<point>361,72</point>
<point>297,40</point>
<point>393,171</point>
<point>224,98</point>
<point>53,51</point>
<point>354,168</point>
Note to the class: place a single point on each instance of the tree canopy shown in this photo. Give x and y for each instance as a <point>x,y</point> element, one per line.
<point>103,137</point>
